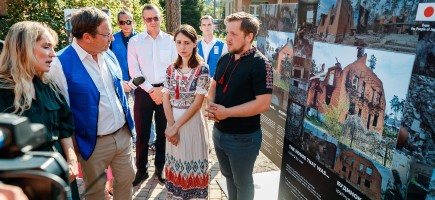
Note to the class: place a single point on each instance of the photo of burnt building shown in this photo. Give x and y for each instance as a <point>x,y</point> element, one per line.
<point>356,85</point>
<point>320,149</point>
<point>360,172</point>
<point>337,23</point>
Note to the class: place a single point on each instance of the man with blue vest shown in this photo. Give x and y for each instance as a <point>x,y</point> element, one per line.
<point>210,48</point>
<point>89,76</point>
<point>119,46</point>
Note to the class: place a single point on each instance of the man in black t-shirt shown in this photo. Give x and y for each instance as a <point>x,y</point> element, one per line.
<point>240,91</point>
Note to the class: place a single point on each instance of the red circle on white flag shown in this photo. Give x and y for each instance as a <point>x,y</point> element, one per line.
<point>428,11</point>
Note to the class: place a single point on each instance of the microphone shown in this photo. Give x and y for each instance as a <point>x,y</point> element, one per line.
<point>135,82</point>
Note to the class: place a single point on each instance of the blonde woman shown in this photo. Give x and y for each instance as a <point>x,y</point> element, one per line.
<point>26,90</point>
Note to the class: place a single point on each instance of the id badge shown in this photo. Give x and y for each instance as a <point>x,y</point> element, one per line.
<point>216,50</point>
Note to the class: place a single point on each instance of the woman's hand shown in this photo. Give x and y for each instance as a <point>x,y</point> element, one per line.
<point>175,139</point>
<point>73,170</point>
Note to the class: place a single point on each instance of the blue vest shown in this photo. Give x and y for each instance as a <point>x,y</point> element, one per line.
<point>212,57</point>
<point>120,52</point>
<point>85,97</point>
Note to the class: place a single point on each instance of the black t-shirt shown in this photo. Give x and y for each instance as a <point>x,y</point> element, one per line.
<point>248,77</point>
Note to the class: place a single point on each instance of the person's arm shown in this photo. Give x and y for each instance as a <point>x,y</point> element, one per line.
<point>134,65</point>
<point>260,104</point>
<point>71,158</point>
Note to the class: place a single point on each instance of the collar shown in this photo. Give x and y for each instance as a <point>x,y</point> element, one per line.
<point>160,35</point>
<point>81,52</point>
<point>249,52</point>
<point>133,33</point>
<point>212,42</point>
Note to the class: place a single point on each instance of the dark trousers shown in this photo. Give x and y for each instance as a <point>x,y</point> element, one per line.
<point>144,107</point>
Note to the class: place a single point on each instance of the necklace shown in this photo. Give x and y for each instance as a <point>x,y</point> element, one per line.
<point>221,80</point>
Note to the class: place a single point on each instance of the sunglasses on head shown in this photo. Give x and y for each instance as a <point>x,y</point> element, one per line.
<point>150,19</point>
<point>128,22</point>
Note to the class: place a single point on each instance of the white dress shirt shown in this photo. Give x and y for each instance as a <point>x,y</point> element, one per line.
<point>150,57</point>
<point>111,115</point>
<point>207,48</point>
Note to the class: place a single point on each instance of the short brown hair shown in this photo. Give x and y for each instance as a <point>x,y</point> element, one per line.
<point>87,20</point>
<point>250,24</point>
<point>151,7</point>
<point>207,17</point>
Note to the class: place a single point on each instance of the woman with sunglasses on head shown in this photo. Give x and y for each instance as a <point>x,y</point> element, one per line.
<point>26,90</point>
<point>186,84</point>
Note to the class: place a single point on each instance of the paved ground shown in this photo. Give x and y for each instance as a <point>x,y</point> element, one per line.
<point>151,189</point>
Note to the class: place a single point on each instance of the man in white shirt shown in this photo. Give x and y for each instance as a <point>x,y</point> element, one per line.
<point>149,55</point>
<point>90,78</point>
<point>210,48</point>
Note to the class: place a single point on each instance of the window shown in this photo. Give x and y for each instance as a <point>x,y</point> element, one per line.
<point>343,169</point>
<point>331,77</point>
<point>367,183</point>
<point>359,112</point>
<point>363,89</point>
<point>369,171</point>
<point>375,120</point>
<point>355,82</point>
<point>361,167</point>
<point>359,180</point>
<point>379,98</point>
<point>349,176</point>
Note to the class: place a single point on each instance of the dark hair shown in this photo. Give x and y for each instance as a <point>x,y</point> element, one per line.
<point>189,32</point>
<point>151,7</point>
<point>250,24</point>
<point>125,12</point>
<point>87,20</point>
<point>1,46</point>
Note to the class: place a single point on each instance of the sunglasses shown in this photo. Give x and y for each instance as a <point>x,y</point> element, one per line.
<point>128,22</point>
<point>151,19</point>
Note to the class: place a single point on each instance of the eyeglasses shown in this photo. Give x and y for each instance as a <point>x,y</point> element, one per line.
<point>151,19</point>
<point>108,35</point>
<point>128,22</point>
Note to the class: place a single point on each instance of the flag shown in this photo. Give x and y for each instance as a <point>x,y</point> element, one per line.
<point>425,12</point>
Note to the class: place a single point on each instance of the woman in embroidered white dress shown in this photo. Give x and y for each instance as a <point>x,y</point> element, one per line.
<point>187,82</point>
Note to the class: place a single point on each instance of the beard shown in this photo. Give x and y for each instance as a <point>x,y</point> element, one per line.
<point>236,51</point>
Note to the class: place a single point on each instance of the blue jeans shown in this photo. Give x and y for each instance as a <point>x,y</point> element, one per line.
<point>236,154</point>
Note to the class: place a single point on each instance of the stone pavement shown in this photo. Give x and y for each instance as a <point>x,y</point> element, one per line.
<point>152,189</point>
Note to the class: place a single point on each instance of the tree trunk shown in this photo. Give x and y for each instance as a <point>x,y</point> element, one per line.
<point>173,15</point>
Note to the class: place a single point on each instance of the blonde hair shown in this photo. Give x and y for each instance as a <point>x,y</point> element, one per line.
<point>17,62</point>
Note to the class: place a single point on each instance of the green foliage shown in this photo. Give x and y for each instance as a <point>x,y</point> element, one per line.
<point>332,118</point>
<point>51,12</point>
<point>191,11</point>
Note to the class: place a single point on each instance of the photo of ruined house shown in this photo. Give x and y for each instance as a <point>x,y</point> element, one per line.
<point>322,150</point>
<point>277,17</point>
<point>361,172</point>
<point>384,24</point>
<point>278,48</point>
<point>352,94</point>
<point>294,122</point>
<point>412,179</point>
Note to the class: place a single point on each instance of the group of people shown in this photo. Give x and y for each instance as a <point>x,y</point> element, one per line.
<point>81,96</point>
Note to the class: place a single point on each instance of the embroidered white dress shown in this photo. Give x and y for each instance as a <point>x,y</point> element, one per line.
<point>186,167</point>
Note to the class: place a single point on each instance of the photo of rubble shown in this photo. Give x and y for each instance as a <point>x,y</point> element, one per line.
<point>414,161</point>
<point>384,24</point>
<point>277,17</point>
<point>354,96</point>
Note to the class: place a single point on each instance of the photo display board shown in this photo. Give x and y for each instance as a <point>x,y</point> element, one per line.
<point>360,112</point>
<point>275,41</point>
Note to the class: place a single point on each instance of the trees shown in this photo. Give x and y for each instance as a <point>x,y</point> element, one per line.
<point>191,12</point>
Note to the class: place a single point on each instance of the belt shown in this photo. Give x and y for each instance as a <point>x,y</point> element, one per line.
<point>100,136</point>
<point>157,84</point>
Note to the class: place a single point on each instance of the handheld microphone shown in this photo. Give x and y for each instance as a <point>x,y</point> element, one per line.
<point>135,82</point>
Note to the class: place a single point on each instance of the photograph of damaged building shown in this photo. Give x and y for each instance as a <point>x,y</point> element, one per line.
<point>384,24</point>
<point>352,98</point>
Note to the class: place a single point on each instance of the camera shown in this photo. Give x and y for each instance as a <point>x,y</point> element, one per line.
<point>41,175</point>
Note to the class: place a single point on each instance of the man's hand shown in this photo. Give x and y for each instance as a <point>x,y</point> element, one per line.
<point>217,112</point>
<point>156,95</point>
<point>126,87</point>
